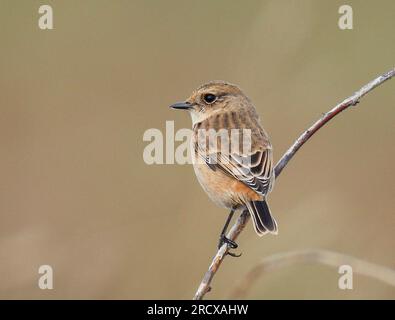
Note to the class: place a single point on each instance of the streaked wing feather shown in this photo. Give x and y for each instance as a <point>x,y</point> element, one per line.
<point>254,171</point>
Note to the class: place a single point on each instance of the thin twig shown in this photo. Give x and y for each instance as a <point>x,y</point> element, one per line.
<point>350,101</point>
<point>329,258</point>
<point>239,225</point>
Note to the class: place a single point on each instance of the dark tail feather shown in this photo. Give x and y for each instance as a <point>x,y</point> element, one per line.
<point>263,219</point>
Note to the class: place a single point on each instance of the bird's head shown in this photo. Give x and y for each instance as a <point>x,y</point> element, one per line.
<point>212,97</point>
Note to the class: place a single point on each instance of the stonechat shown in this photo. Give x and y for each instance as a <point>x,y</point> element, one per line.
<point>236,179</point>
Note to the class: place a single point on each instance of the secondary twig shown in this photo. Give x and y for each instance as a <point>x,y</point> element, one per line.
<point>329,258</point>
<point>239,225</point>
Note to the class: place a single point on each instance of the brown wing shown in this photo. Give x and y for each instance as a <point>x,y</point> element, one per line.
<point>255,170</point>
<point>254,167</point>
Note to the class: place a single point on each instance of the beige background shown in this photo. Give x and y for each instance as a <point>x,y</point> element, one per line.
<point>75,102</point>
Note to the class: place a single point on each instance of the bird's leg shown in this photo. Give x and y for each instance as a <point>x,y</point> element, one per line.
<point>223,239</point>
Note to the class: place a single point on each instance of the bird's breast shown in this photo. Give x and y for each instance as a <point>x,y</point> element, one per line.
<point>223,189</point>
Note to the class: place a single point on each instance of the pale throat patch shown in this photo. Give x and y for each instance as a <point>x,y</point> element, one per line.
<point>200,116</point>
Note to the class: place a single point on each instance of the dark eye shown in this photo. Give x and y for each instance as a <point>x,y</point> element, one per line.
<point>209,97</point>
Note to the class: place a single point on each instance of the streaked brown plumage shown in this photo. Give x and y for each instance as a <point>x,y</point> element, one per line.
<point>232,181</point>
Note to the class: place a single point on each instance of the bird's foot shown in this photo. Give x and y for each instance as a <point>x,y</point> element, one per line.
<point>230,243</point>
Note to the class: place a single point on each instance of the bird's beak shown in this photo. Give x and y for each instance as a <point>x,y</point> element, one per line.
<point>181,105</point>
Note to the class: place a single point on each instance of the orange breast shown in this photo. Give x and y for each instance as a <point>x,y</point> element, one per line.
<point>240,188</point>
<point>222,189</point>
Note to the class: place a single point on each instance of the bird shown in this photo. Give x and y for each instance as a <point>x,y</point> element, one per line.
<point>233,178</point>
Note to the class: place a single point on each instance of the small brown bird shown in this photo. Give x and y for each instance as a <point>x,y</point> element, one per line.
<point>235,179</point>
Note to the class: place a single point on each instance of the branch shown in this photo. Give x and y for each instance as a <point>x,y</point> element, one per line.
<point>329,258</point>
<point>350,101</point>
<point>204,286</point>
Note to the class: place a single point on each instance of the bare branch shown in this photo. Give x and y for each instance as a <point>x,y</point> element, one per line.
<point>329,258</point>
<point>350,101</point>
<point>219,257</point>
<point>239,225</point>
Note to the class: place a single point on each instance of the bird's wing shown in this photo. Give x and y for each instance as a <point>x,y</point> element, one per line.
<point>254,170</point>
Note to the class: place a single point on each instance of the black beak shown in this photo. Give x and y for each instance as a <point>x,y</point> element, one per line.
<point>181,105</point>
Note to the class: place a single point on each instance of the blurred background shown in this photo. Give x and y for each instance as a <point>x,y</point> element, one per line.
<point>75,102</point>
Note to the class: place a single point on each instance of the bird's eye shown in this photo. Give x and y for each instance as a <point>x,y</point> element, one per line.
<point>209,98</point>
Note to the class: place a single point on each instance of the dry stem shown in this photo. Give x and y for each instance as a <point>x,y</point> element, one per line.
<point>329,258</point>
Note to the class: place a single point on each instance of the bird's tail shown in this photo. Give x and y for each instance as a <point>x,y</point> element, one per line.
<point>263,219</point>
